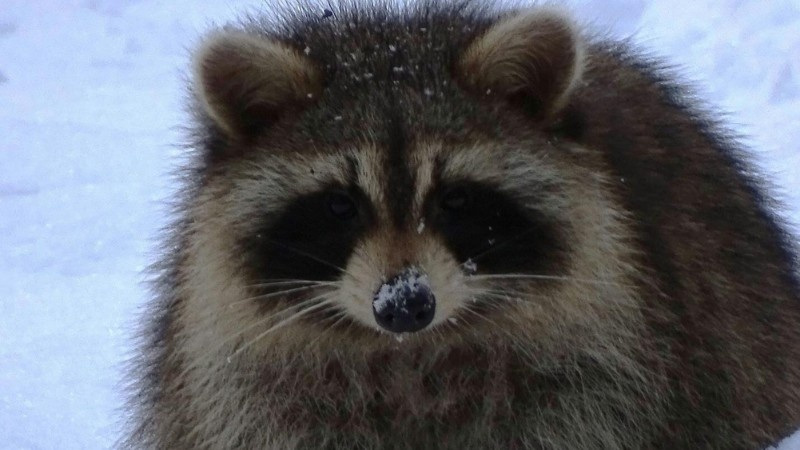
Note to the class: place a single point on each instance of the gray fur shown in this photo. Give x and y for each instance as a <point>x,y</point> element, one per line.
<point>667,314</point>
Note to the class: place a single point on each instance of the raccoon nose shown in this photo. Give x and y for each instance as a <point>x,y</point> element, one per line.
<point>405,303</point>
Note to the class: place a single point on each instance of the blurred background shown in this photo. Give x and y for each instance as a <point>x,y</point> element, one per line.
<point>91,98</point>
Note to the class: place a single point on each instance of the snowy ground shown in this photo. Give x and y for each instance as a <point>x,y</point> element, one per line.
<point>90,94</point>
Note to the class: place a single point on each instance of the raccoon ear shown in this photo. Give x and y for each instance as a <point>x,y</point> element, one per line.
<point>245,82</point>
<point>534,59</point>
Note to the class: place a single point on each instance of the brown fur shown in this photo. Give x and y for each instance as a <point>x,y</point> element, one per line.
<point>664,313</point>
<point>247,79</point>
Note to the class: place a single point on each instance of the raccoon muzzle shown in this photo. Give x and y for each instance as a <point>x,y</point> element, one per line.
<point>405,303</point>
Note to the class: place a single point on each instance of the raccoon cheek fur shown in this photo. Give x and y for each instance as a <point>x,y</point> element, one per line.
<point>448,226</point>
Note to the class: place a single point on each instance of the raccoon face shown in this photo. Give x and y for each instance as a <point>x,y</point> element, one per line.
<point>377,209</point>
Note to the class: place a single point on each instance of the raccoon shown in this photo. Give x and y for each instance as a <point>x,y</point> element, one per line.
<point>456,226</point>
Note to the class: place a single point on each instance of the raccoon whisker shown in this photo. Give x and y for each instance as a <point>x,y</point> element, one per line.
<point>468,309</point>
<point>436,331</point>
<point>500,245</point>
<point>230,307</point>
<point>274,294</point>
<point>439,333</point>
<point>265,319</point>
<point>340,316</point>
<point>284,282</point>
<point>307,255</point>
<point>508,294</point>
<point>522,296</point>
<point>453,324</point>
<point>281,324</point>
<point>505,293</point>
<point>495,301</point>
<point>523,276</point>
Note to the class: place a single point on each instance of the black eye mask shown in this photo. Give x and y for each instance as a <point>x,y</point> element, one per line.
<point>487,227</point>
<point>312,238</point>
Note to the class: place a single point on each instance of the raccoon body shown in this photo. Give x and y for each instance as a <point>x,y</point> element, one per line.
<point>446,225</point>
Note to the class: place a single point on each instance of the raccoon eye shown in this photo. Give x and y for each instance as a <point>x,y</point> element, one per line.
<point>456,199</point>
<point>342,206</point>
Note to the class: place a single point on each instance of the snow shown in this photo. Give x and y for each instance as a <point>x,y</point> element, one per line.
<point>400,290</point>
<point>90,97</point>
<point>470,266</point>
<point>790,443</point>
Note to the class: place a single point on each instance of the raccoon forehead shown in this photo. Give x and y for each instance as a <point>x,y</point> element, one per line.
<point>509,166</point>
<point>491,162</point>
<point>271,181</point>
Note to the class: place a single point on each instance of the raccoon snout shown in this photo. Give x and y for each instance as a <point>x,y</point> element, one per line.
<point>405,303</point>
